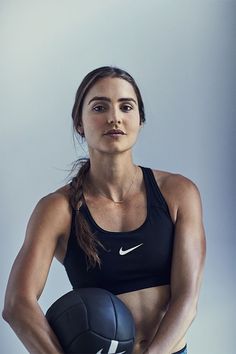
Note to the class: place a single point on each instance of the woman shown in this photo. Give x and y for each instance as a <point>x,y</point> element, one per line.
<point>135,231</point>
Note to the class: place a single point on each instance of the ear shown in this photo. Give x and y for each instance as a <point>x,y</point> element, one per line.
<point>81,132</point>
<point>80,129</point>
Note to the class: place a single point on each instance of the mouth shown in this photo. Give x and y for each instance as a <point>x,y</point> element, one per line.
<point>115,132</point>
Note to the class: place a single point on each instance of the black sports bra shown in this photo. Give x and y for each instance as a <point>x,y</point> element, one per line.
<point>132,260</point>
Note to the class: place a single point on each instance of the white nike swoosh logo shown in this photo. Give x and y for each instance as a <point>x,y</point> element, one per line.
<point>112,349</point>
<point>122,253</point>
<point>100,352</point>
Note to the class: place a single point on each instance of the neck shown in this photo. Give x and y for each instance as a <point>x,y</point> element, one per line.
<point>112,176</point>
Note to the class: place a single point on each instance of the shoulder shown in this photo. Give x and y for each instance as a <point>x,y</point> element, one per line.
<point>58,199</point>
<point>178,190</point>
<point>54,207</point>
<point>175,182</point>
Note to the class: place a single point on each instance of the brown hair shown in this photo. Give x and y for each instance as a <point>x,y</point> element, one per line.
<point>86,239</point>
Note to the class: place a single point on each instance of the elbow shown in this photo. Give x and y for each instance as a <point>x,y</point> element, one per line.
<point>191,309</point>
<point>8,312</point>
<point>188,303</point>
<point>192,303</point>
<point>15,308</point>
<point>5,315</point>
<point>8,308</point>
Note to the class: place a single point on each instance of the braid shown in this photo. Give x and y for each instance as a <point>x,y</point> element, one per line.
<point>86,239</point>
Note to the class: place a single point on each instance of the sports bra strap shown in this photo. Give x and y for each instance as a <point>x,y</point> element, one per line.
<point>155,196</point>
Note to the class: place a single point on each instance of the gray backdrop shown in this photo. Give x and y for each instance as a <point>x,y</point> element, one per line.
<point>182,55</point>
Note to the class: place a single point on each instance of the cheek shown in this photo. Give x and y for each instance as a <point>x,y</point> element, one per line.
<point>93,127</point>
<point>90,121</point>
<point>134,122</point>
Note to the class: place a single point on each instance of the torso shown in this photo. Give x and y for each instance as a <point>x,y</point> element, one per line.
<point>147,306</point>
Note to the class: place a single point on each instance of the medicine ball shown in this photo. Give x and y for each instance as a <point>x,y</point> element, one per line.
<point>92,320</point>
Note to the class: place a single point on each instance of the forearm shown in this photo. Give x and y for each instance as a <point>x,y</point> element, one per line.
<point>174,325</point>
<point>30,325</point>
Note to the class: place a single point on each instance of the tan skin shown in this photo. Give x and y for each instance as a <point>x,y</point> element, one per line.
<point>162,314</point>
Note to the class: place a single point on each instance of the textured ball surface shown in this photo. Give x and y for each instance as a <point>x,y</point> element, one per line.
<point>92,320</point>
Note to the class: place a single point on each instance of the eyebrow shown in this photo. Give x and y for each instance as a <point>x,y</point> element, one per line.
<point>103,98</point>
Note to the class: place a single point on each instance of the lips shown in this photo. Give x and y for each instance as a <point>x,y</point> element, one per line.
<point>114,131</point>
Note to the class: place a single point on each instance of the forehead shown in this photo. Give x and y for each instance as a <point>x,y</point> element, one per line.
<point>113,88</point>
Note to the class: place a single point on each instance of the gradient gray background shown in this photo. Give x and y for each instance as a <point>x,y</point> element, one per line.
<point>182,55</point>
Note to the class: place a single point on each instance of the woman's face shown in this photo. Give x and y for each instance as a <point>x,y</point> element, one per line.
<point>110,104</point>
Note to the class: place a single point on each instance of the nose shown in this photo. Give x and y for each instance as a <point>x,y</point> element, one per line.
<point>114,117</point>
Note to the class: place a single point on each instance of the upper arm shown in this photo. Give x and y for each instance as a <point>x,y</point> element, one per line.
<point>189,244</point>
<point>31,266</point>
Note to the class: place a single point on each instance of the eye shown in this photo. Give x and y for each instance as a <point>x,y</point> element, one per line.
<point>126,107</point>
<point>99,108</point>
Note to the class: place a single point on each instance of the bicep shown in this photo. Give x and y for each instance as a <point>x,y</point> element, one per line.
<point>31,266</point>
<point>189,245</point>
